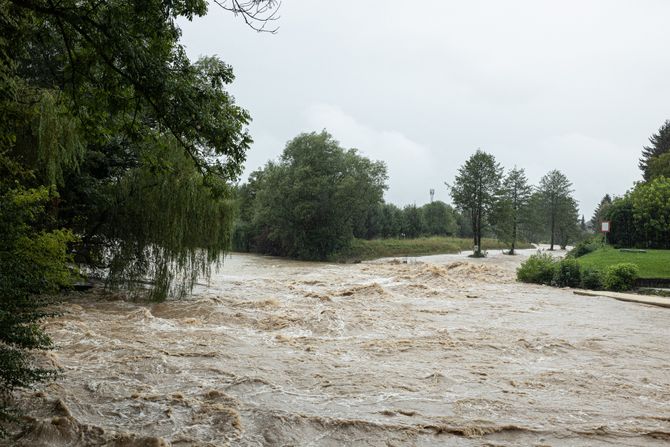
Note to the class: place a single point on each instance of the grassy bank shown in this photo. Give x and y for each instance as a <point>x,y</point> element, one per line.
<point>382,248</point>
<point>652,263</point>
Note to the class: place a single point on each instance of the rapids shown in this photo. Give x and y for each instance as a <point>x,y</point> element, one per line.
<point>435,351</point>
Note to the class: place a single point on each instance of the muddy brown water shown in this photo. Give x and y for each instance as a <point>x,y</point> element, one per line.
<point>438,351</point>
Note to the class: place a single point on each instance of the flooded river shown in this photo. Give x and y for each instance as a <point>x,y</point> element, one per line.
<point>437,351</point>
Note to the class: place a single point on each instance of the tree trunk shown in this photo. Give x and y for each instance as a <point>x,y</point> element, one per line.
<point>553,225</point>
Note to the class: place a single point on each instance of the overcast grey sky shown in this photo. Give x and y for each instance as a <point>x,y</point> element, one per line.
<point>577,86</point>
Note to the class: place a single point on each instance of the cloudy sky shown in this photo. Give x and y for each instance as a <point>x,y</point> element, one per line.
<point>577,86</point>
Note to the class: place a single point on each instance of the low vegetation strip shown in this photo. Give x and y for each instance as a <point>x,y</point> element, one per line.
<point>362,249</point>
<point>652,263</point>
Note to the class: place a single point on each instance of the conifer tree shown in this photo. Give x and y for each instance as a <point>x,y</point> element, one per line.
<point>660,145</point>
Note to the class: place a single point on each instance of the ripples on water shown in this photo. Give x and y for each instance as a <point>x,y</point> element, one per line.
<point>431,352</point>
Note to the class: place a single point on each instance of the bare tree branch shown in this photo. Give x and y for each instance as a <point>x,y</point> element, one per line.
<point>257,14</point>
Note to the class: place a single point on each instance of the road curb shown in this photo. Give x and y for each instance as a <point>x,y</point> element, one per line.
<point>651,300</point>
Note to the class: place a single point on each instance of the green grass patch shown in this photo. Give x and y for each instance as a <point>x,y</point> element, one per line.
<point>361,249</point>
<point>652,263</point>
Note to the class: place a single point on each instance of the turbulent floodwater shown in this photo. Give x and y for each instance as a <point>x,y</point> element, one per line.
<point>437,351</point>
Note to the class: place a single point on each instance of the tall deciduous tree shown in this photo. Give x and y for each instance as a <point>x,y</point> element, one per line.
<point>475,192</point>
<point>513,206</point>
<point>151,139</point>
<point>307,202</point>
<point>651,212</point>
<point>660,145</point>
<point>557,204</point>
<point>438,219</point>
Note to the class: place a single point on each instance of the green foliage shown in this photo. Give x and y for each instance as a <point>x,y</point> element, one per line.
<point>172,231</point>
<point>475,191</point>
<point>592,278</point>
<point>621,277</point>
<point>558,208</point>
<point>391,221</point>
<point>110,133</point>
<point>651,162</point>
<point>511,210</point>
<point>538,268</point>
<point>33,263</point>
<point>651,212</point>
<point>438,219</point>
<point>412,222</point>
<point>652,263</point>
<point>100,99</point>
<point>567,273</point>
<point>306,204</point>
<point>600,212</point>
<point>586,246</point>
<point>623,232</point>
<point>659,166</point>
<point>642,217</point>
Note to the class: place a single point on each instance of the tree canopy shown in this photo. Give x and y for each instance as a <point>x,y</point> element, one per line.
<point>305,204</point>
<point>116,153</point>
<point>659,147</point>
<point>512,208</point>
<point>558,207</point>
<point>475,191</point>
<point>140,141</point>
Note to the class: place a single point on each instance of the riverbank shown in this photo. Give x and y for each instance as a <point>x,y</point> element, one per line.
<point>362,250</point>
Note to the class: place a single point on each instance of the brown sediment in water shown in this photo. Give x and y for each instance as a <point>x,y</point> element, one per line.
<point>439,351</point>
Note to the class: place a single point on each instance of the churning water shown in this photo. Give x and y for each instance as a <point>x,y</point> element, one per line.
<point>437,351</point>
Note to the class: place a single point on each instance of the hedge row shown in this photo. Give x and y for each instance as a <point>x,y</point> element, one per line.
<point>542,268</point>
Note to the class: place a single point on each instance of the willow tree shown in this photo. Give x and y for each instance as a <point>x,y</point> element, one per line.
<point>475,192</point>
<point>148,197</point>
<point>116,151</point>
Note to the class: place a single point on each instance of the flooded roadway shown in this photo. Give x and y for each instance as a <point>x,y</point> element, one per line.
<point>438,351</point>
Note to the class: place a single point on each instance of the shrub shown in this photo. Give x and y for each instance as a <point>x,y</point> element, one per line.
<point>586,246</point>
<point>592,278</point>
<point>567,273</point>
<point>620,277</point>
<point>538,269</point>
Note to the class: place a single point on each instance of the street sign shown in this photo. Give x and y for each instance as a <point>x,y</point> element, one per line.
<point>605,227</point>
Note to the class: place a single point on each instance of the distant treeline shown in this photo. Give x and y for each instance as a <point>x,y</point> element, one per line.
<point>317,198</point>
